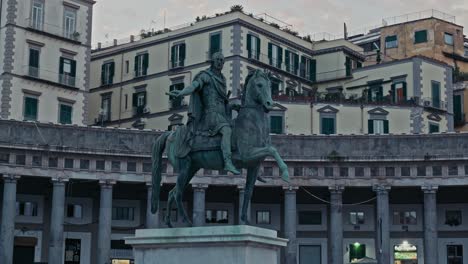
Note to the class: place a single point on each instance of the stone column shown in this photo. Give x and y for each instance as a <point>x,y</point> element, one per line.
<point>382,224</point>
<point>241,202</point>
<point>56,222</point>
<point>290,223</point>
<point>152,220</point>
<point>7,235</point>
<point>105,221</point>
<point>430,225</point>
<point>198,217</point>
<point>336,225</point>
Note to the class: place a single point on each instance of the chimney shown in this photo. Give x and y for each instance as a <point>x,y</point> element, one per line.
<point>132,38</point>
<point>99,45</point>
<point>115,42</point>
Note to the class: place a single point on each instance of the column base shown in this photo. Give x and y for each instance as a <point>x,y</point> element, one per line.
<point>211,244</point>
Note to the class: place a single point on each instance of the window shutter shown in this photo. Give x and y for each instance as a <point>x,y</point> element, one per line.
<point>287,59</point>
<point>370,126</point>
<point>34,58</point>
<point>280,57</point>
<point>348,66</point>
<point>30,108</point>
<point>135,68</point>
<point>145,63</point>
<point>380,94</point>
<point>313,70</point>
<point>103,74</point>
<point>73,68</point>
<point>144,97</point>
<point>296,63</point>
<point>404,91</point>
<point>394,95</point>
<point>61,65</point>
<point>215,41</point>
<point>270,53</point>
<point>385,126</point>
<point>258,47</point>
<point>359,64</point>
<point>135,99</point>
<point>249,46</point>
<point>173,62</point>
<point>369,94</point>
<point>112,72</point>
<point>420,36</point>
<point>182,54</point>
<point>302,67</point>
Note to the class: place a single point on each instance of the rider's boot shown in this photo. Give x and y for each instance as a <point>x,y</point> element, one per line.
<point>229,166</point>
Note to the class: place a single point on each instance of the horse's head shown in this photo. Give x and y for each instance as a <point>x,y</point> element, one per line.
<point>258,90</point>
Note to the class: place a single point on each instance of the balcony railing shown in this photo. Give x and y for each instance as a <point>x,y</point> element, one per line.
<point>121,253</point>
<point>177,64</point>
<point>51,76</point>
<point>53,29</point>
<point>436,104</point>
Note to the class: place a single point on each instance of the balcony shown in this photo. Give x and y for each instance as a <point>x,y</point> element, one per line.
<point>434,104</point>
<point>49,76</point>
<point>54,30</point>
<point>177,64</point>
<point>459,119</point>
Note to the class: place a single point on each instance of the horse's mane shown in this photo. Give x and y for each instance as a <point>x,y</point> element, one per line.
<point>252,75</point>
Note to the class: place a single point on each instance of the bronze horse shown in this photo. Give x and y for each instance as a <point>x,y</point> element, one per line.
<point>251,141</point>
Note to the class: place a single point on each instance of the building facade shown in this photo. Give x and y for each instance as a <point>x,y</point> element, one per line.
<point>398,199</point>
<point>45,56</point>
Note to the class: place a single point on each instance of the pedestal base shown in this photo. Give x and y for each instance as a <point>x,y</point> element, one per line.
<point>202,245</point>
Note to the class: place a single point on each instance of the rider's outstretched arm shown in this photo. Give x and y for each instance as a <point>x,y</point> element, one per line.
<point>190,89</point>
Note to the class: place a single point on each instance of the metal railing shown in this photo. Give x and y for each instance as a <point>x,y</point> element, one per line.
<point>121,253</point>
<point>176,64</point>
<point>53,29</point>
<point>48,75</point>
<point>431,103</point>
<point>418,15</point>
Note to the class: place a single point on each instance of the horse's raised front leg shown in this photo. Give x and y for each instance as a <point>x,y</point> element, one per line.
<point>261,153</point>
<point>252,173</point>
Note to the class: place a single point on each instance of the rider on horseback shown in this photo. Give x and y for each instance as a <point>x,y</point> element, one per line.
<point>208,107</point>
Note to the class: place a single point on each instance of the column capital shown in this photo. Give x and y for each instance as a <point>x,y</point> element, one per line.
<point>59,181</point>
<point>107,183</point>
<point>336,189</point>
<point>429,188</point>
<point>381,189</point>
<point>10,178</point>
<point>199,186</point>
<point>290,188</point>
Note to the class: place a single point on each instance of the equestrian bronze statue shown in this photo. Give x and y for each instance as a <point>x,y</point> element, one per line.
<point>209,141</point>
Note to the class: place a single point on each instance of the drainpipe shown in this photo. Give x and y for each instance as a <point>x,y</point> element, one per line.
<point>311,118</point>
<point>1,9</point>
<point>362,119</point>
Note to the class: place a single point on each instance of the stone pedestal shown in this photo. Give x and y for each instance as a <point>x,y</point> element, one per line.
<point>210,244</point>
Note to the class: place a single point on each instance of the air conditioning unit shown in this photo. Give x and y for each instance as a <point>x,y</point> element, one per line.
<point>146,110</point>
<point>427,103</point>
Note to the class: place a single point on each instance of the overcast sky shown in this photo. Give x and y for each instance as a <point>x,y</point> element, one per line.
<point>121,18</point>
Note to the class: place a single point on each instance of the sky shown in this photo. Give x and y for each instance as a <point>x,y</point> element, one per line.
<point>118,19</point>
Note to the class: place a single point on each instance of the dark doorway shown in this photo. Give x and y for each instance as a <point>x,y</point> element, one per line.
<point>23,255</point>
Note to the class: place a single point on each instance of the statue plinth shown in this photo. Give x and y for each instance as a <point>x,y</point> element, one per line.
<point>211,244</point>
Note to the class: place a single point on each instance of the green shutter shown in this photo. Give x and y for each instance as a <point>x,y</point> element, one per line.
<point>215,43</point>
<point>145,63</point>
<point>258,47</point>
<point>182,54</point>
<point>435,94</point>
<point>287,59</point>
<point>270,53</point>
<point>348,65</point>
<point>457,109</point>
<point>137,62</point>
<point>380,94</point>
<point>303,66</point>
<point>404,91</point>
<point>34,58</point>
<point>112,72</point>
<point>420,36</point>
<point>276,124</point>
<point>393,92</point>
<point>433,128</point>
<point>280,57</point>
<point>249,46</point>
<point>103,74</point>
<point>370,126</point>
<point>328,125</point>
<point>313,70</point>
<point>385,126</point>
<point>296,63</point>
<point>73,68</point>
<point>135,99</point>
<point>30,108</point>
<point>173,58</point>
<point>62,59</point>
<point>65,114</point>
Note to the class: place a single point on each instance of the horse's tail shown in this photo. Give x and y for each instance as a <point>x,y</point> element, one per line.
<point>158,149</point>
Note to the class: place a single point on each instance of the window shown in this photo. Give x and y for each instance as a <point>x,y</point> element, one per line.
<point>436,171</point>
<point>275,86</point>
<point>30,108</point>
<point>115,165</point>
<point>70,24</point>
<point>328,171</point>
<point>100,165</point>
<point>313,172</point>
<point>67,71</point>
<point>263,218</point>
<point>107,73</point>
<point>276,124</point>
<point>74,211</point>
<point>131,166</point>
<point>378,126</point>
<point>69,163</point>
<point>375,93</point>
<point>141,65</point>
<point>275,55</point>
<point>357,251</point>
<point>147,166</point>
<point>123,213</point>
<point>298,171</point>
<point>72,251</point>
<point>267,171</point>
<point>37,15</point>
<point>127,66</point>
<point>20,159</point>
<point>176,103</point>
<point>139,103</point>
<point>420,36</point>
<point>65,115</point>
<point>310,217</point>
<point>344,171</point>
<point>84,164</point>
<point>453,217</point>
<point>454,254</point>
<point>105,107</point>
<point>453,170</point>
<point>26,208</point>
<point>328,125</point>
<point>404,218</point>
<point>391,42</point>
<point>216,217</point>
<point>359,172</point>
<point>421,170</point>
<point>308,68</point>
<point>390,171</point>
<point>375,171</point>
<point>405,171</point>
<point>178,55</point>
<point>458,117</point>
<point>253,47</point>
<point>34,62</point>
<point>36,161</point>
<point>435,88</point>
<point>292,62</point>
<point>310,254</point>
<point>4,158</point>
<point>433,128</point>
<point>448,39</point>
<point>215,43</point>
<point>348,66</point>
<point>356,218</point>
<point>53,162</point>
<point>398,90</point>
